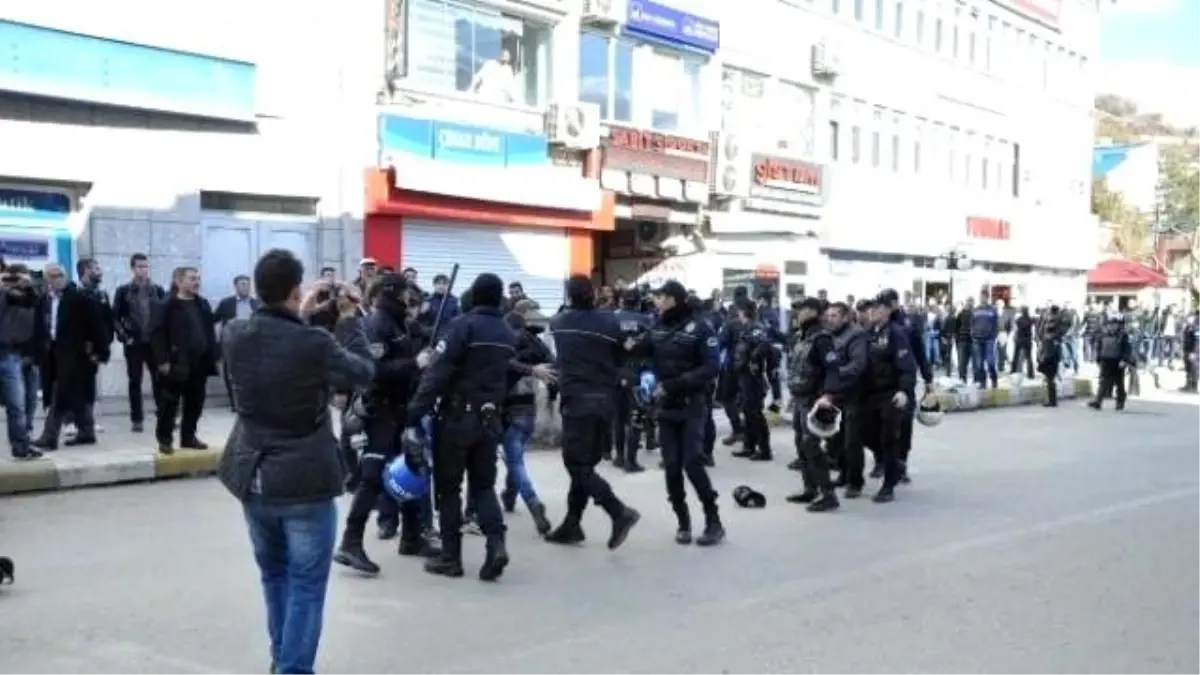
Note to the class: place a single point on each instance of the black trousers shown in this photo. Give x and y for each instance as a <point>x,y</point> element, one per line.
<point>383,433</point>
<point>752,396</point>
<point>630,425</point>
<point>137,362</point>
<point>1023,356</point>
<point>582,449</point>
<point>727,396</point>
<point>881,425</point>
<point>1112,376</point>
<point>963,350</point>
<point>186,393</point>
<point>814,463</point>
<point>850,442</point>
<point>465,448</point>
<point>681,435</point>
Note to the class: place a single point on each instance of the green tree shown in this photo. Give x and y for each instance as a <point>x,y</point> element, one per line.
<point>1179,184</point>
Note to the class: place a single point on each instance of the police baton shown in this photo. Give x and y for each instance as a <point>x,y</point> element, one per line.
<point>437,319</point>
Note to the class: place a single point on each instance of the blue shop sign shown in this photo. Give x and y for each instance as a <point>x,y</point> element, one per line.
<point>460,143</point>
<point>669,25</point>
<point>31,221</point>
<point>43,61</point>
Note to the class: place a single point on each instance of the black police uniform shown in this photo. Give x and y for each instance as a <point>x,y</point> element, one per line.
<point>727,385</point>
<point>470,375</point>
<point>806,374</point>
<point>913,329</point>
<point>1113,350</point>
<point>683,351</point>
<point>588,350</point>
<point>1050,354</point>
<point>754,358</point>
<point>396,371</point>
<point>631,421</point>
<point>892,371</point>
<point>846,362</point>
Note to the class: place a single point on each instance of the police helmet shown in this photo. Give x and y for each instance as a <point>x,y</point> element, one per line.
<point>647,381</point>
<point>929,412</point>
<point>823,421</point>
<point>403,482</point>
<point>749,498</point>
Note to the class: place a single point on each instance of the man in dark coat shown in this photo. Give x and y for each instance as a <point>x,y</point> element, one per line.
<point>74,330</point>
<point>185,356</point>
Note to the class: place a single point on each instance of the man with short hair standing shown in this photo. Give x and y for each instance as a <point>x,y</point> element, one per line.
<point>185,355</point>
<point>135,305</point>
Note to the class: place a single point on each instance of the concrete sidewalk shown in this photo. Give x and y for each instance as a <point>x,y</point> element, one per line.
<point>126,457</point>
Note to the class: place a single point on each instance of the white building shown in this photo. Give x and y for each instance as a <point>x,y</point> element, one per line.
<point>949,125</point>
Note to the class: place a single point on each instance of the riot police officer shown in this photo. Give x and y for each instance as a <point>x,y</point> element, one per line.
<point>683,351</point>
<point>890,378</point>
<point>912,326</point>
<point>846,361</point>
<point>754,358</point>
<point>631,422</point>
<point>806,371</point>
<point>398,363</point>
<point>1051,333</point>
<point>469,374</point>
<point>727,385</point>
<point>1113,350</point>
<point>588,355</point>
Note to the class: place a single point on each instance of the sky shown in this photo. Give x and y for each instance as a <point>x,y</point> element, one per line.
<point>1150,52</point>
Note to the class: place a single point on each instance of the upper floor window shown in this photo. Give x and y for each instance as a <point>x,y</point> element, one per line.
<point>899,20</point>
<point>797,119</point>
<point>606,75</point>
<point>674,89</point>
<point>498,57</point>
<point>937,36</point>
<point>919,29</point>
<point>859,10</point>
<point>743,97</point>
<point>879,15</point>
<point>835,6</point>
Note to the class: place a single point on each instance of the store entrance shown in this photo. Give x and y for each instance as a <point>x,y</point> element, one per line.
<point>937,291</point>
<point>1000,293</point>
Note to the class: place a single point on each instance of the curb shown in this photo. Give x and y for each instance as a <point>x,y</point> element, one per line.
<point>67,472</point>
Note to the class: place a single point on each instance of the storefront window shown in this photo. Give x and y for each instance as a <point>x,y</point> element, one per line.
<point>498,57</point>
<point>668,84</point>
<point>797,121</point>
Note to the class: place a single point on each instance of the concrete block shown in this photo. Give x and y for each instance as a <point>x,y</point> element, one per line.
<point>119,237</point>
<point>187,463</point>
<point>82,468</point>
<point>30,476</point>
<point>176,240</point>
<point>1084,388</point>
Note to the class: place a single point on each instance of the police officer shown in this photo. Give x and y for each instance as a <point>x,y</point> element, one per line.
<point>768,316</point>
<point>1051,334</point>
<point>630,422</point>
<point>683,350</point>
<point>913,327</point>
<point>589,352</point>
<point>806,371</point>
<point>754,357</point>
<point>890,378</point>
<point>846,363</point>
<point>398,363</point>
<point>470,375</point>
<point>1113,350</point>
<point>727,384</point>
<point>703,308</point>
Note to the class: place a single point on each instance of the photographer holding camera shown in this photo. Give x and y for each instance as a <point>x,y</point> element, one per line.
<point>18,321</point>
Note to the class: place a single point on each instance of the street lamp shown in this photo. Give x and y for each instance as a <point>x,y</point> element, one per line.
<point>955,261</point>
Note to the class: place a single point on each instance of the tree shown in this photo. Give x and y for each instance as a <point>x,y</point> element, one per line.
<point>1179,183</point>
<point>1130,234</point>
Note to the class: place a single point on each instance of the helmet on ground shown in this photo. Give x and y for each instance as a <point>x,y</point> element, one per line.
<point>647,382</point>
<point>929,412</point>
<point>749,498</point>
<point>823,421</point>
<point>402,482</point>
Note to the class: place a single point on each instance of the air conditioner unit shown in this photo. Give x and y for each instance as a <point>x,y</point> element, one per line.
<point>731,166</point>
<point>603,12</point>
<point>573,125</point>
<point>826,61</point>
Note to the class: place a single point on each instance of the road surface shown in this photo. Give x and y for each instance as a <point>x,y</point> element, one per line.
<point>1031,540</point>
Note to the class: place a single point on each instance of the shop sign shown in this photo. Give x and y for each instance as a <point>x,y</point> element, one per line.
<point>657,154</point>
<point>654,272</point>
<point>673,27</point>
<point>992,229</point>
<point>786,180</point>
<point>460,143</point>
<point>1045,12</point>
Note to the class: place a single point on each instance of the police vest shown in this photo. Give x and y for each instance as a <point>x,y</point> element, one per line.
<point>1110,344</point>
<point>799,373</point>
<point>883,373</point>
<point>749,339</point>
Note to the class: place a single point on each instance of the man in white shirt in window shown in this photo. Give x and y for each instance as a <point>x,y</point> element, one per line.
<point>496,80</point>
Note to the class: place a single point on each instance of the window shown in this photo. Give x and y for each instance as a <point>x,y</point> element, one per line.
<point>987,43</point>
<point>954,35</point>
<point>971,47</point>
<point>967,164</point>
<point>797,123</point>
<point>834,131</point>
<point>875,140</point>
<point>1002,174</point>
<point>937,36</point>
<point>667,83</point>
<point>983,175</point>
<point>495,56</point>
<point>859,10</point>
<point>920,28</point>
<point>899,20</point>
<point>743,97</point>
<point>985,163</point>
<point>855,144</point>
<point>917,155</point>
<point>1016,170</point>
<point>835,6</point>
<point>896,153</point>
<point>879,15</point>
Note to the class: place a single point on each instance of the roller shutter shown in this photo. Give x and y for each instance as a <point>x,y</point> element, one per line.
<point>536,257</point>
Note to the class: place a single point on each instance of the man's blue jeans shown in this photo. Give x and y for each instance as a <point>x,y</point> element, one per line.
<point>516,438</point>
<point>12,389</point>
<point>983,358</point>
<point>933,347</point>
<point>293,546</point>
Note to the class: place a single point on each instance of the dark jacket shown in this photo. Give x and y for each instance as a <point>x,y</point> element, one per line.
<point>684,353</point>
<point>962,324</point>
<point>173,342</point>
<point>531,351</point>
<point>80,341</point>
<point>282,444</point>
<point>471,364</point>
<point>227,308</point>
<point>589,354</point>
<point>126,322</point>
<point>18,320</point>
<point>104,312</point>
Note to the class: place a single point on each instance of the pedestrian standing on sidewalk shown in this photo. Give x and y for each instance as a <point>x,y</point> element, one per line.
<point>135,304</point>
<point>18,318</point>
<point>281,460</point>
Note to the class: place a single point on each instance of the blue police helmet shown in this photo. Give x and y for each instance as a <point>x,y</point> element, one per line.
<point>402,483</point>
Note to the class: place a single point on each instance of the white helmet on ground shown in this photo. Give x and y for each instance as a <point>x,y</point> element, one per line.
<point>929,411</point>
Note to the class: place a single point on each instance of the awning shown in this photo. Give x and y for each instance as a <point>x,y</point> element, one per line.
<point>1125,273</point>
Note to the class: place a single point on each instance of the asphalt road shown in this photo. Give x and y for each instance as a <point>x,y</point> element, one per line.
<point>1029,541</point>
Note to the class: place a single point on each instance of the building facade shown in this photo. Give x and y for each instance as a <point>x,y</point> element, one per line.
<point>930,127</point>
